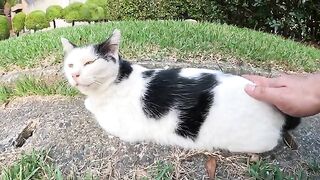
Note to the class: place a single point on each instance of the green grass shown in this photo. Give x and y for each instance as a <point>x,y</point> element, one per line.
<point>5,93</point>
<point>164,38</point>
<point>31,86</point>
<point>314,166</point>
<point>163,171</point>
<point>35,165</point>
<point>263,170</point>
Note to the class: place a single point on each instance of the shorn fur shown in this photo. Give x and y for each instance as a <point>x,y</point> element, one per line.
<point>189,107</point>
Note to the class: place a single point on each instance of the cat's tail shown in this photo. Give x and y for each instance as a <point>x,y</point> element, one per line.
<point>291,122</point>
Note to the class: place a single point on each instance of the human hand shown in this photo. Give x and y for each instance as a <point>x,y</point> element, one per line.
<point>295,95</point>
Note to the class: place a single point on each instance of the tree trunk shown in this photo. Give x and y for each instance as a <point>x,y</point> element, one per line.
<point>72,23</point>
<point>54,24</point>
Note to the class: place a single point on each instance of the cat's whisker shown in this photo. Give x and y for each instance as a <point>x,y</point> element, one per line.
<point>97,82</point>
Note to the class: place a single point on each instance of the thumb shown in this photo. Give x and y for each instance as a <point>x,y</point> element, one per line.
<point>266,94</point>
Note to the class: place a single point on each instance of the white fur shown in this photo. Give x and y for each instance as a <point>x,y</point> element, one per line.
<point>235,122</point>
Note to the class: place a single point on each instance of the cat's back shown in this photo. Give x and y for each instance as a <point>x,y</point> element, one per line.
<point>213,109</point>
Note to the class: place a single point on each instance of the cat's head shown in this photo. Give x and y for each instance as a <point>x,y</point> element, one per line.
<point>92,67</point>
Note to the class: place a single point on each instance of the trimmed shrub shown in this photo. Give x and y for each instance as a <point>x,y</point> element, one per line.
<point>100,3</point>
<point>4,28</point>
<point>100,14</point>
<point>85,13</point>
<point>72,12</point>
<point>97,13</point>
<point>18,22</point>
<point>37,20</point>
<point>54,12</point>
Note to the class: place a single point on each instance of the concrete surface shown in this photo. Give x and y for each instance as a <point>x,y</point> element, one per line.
<point>79,146</point>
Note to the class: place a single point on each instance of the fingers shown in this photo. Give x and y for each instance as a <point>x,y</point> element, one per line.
<point>262,93</point>
<point>263,81</point>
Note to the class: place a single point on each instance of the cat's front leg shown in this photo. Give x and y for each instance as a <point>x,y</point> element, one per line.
<point>88,104</point>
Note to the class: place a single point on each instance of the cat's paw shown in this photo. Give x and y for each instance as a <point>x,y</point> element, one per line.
<point>88,105</point>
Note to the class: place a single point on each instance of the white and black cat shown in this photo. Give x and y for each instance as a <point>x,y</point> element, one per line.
<point>188,107</point>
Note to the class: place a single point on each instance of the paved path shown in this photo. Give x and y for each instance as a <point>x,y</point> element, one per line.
<point>79,145</point>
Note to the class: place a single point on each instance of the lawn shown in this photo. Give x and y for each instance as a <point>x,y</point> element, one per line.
<point>27,86</point>
<point>160,39</point>
<point>157,40</point>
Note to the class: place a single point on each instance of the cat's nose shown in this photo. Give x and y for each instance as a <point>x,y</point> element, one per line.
<point>75,75</point>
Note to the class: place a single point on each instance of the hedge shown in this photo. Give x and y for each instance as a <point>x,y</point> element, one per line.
<point>295,19</point>
<point>205,10</point>
<point>1,4</point>
<point>37,20</point>
<point>18,22</point>
<point>4,28</point>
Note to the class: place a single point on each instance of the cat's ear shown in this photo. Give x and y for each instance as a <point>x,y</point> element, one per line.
<point>111,46</point>
<point>67,45</point>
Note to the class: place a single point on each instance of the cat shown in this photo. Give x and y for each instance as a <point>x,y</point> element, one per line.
<point>188,107</point>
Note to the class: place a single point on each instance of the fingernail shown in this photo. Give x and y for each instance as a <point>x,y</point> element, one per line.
<point>250,87</point>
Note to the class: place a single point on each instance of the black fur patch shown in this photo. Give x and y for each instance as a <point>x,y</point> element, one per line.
<point>148,74</point>
<point>190,97</point>
<point>291,122</point>
<point>125,70</point>
<point>102,52</point>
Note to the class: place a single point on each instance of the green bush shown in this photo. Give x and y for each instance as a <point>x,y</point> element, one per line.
<point>4,28</point>
<point>18,22</point>
<point>54,12</point>
<point>97,13</point>
<point>37,20</point>
<point>162,9</point>
<point>100,3</point>
<point>85,13</point>
<point>71,12</point>
<point>294,19</point>
<point>76,12</point>
<point>1,4</point>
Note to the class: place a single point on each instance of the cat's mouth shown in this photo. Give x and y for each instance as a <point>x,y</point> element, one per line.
<point>83,85</point>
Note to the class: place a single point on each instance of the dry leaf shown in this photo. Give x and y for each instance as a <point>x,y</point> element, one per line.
<point>26,133</point>
<point>5,104</point>
<point>211,166</point>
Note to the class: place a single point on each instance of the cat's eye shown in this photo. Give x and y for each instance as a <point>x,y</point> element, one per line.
<point>70,65</point>
<point>88,62</point>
